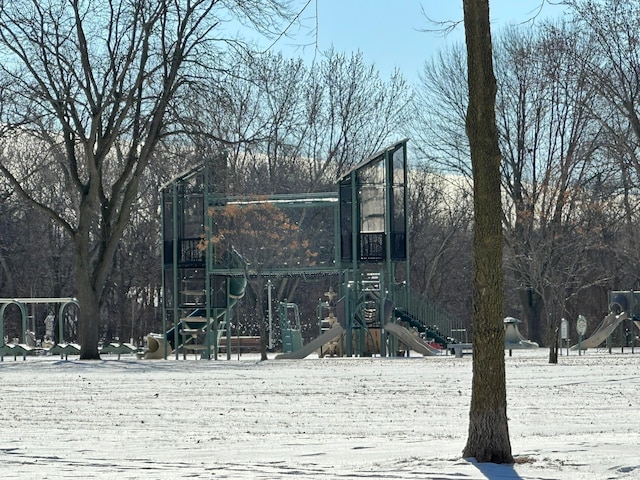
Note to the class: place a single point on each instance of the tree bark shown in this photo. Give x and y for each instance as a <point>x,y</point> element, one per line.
<point>9,289</point>
<point>89,302</point>
<point>488,439</point>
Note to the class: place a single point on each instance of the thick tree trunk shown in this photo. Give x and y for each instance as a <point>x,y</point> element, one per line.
<point>488,427</point>
<point>532,303</point>
<point>89,302</point>
<point>88,323</point>
<point>9,290</point>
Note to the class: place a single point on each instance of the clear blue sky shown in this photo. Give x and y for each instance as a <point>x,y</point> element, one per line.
<point>390,33</point>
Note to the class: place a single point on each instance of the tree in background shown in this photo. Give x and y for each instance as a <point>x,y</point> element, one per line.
<point>611,29</point>
<point>441,231</point>
<point>268,238</point>
<point>553,173</point>
<point>440,110</point>
<point>302,126</point>
<point>567,186</point>
<point>101,84</point>
<point>488,439</point>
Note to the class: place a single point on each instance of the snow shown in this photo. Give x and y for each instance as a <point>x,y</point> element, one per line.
<point>332,418</point>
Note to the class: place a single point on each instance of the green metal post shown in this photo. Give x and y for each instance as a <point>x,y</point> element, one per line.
<point>336,236</point>
<point>174,219</point>
<point>388,214</point>
<point>208,315</point>
<point>348,313</point>
<point>164,287</point>
<point>61,318</point>
<point>355,259</point>
<point>2,309</point>
<point>406,228</point>
<point>388,207</point>
<point>206,222</point>
<point>60,326</point>
<point>632,307</point>
<point>23,313</point>
<point>227,317</point>
<point>381,313</point>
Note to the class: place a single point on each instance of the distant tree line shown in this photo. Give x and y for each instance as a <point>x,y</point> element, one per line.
<point>567,112</point>
<point>76,132</point>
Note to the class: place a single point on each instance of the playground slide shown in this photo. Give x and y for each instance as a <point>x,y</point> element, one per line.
<point>414,343</point>
<point>513,339</point>
<point>605,329</point>
<point>156,346</point>
<point>331,334</point>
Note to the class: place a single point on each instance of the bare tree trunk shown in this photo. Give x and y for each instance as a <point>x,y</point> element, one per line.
<point>264,339</point>
<point>89,305</point>
<point>488,427</point>
<point>88,324</point>
<point>533,304</point>
<point>10,289</point>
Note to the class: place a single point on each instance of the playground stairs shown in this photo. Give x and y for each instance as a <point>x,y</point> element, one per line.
<point>198,335</point>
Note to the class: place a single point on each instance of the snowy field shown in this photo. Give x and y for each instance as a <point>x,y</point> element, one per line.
<point>316,418</point>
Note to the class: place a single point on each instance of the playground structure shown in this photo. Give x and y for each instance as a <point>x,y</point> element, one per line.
<point>624,308</point>
<point>27,343</point>
<point>375,311</point>
<point>364,246</point>
<point>202,328</point>
<point>201,282</point>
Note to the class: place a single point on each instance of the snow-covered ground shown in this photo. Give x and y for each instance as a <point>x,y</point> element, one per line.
<point>333,418</point>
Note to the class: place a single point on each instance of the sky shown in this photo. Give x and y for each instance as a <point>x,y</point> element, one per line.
<point>393,33</point>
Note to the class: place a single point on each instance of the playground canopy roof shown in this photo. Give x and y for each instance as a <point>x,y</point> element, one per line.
<point>373,158</point>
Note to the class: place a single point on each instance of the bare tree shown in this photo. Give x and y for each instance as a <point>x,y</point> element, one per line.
<point>441,231</point>
<point>488,439</point>
<point>552,162</point>
<point>612,63</point>
<point>303,126</point>
<point>102,83</point>
<point>440,111</point>
<point>554,159</point>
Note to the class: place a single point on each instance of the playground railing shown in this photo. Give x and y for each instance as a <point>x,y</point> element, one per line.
<point>425,312</point>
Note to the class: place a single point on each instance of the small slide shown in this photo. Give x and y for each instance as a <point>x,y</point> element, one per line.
<point>410,340</point>
<point>513,339</point>
<point>331,334</point>
<point>606,328</point>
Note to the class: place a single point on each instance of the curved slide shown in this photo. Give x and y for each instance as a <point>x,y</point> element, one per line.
<point>410,340</point>
<point>331,334</point>
<point>606,328</point>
